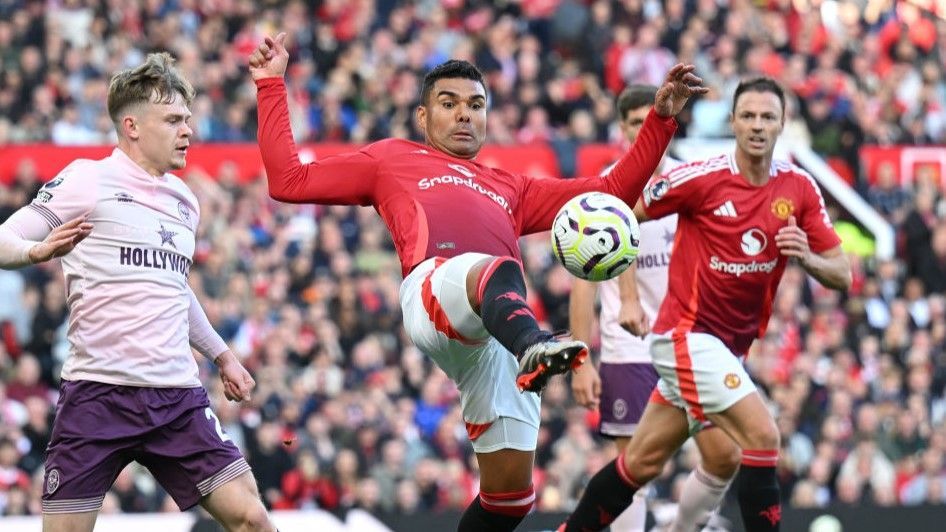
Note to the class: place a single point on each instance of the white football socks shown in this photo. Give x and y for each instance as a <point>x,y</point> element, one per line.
<point>701,495</point>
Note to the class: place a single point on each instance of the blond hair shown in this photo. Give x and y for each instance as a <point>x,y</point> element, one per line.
<point>154,81</point>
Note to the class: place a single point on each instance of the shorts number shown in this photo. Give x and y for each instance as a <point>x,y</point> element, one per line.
<point>210,415</point>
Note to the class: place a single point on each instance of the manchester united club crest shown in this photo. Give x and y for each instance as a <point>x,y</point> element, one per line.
<point>732,381</point>
<point>782,208</point>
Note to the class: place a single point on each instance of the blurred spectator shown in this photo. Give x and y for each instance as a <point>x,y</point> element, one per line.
<point>860,73</point>
<point>887,196</point>
<point>931,262</point>
<point>13,480</point>
<point>929,483</point>
<point>270,461</point>
<point>306,487</point>
<point>26,380</point>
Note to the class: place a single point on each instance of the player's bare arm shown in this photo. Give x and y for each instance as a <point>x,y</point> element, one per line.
<point>831,268</point>
<point>586,383</point>
<point>640,212</point>
<point>632,316</point>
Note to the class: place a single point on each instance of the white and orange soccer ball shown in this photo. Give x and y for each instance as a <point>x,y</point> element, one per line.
<point>595,236</point>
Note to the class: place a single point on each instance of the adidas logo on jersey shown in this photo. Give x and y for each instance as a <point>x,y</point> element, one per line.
<point>726,210</point>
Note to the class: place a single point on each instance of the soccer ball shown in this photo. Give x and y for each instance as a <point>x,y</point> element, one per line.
<point>595,236</point>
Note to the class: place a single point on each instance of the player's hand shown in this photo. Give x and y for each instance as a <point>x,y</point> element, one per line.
<point>61,240</point>
<point>793,242</point>
<point>270,58</point>
<point>681,85</point>
<point>586,386</point>
<point>237,383</point>
<point>633,319</point>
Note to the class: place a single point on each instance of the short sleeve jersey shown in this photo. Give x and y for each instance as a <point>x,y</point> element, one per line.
<point>726,266</point>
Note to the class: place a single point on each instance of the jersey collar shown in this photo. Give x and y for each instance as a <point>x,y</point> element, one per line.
<point>122,158</point>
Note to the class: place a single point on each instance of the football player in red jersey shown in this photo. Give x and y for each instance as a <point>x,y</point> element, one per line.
<point>629,303</point>
<point>741,217</point>
<point>456,225</point>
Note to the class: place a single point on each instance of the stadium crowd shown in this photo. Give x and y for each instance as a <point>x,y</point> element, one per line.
<point>347,413</point>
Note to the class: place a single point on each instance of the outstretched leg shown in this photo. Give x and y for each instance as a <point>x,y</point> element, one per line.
<point>443,316</point>
<point>496,289</point>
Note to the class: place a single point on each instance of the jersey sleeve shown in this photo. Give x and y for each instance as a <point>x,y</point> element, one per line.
<point>201,333</point>
<point>540,199</point>
<point>677,191</point>
<point>14,247</point>
<point>346,179</point>
<point>814,219</point>
<point>70,194</point>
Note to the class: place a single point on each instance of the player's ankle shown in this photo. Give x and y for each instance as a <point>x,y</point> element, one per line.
<point>531,338</point>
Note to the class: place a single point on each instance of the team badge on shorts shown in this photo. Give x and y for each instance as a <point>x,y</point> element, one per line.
<point>619,409</point>
<point>732,381</point>
<point>782,208</point>
<point>52,481</point>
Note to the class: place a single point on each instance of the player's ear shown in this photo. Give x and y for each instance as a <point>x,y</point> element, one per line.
<point>420,118</point>
<point>129,127</point>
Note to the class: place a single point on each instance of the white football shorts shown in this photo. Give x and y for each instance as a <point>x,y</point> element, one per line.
<point>441,323</point>
<point>698,374</point>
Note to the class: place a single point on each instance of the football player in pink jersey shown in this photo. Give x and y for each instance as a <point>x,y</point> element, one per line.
<point>455,224</point>
<point>742,216</point>
<point>130,389</point>
<point>629,304</point>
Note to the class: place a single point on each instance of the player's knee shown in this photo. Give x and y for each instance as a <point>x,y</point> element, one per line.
<point>765,436</point>
<point>644,465</point>
<point>254,518</point>
<point>479,275</point>
<point>723,462</point>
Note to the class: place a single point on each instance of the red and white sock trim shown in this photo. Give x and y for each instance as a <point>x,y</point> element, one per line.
<point>760,458</point>
<point>625,474</point>
<point>513,503</point>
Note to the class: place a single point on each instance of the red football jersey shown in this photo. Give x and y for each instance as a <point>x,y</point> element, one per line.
<point>725,266</point>
<point>435,204</point>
